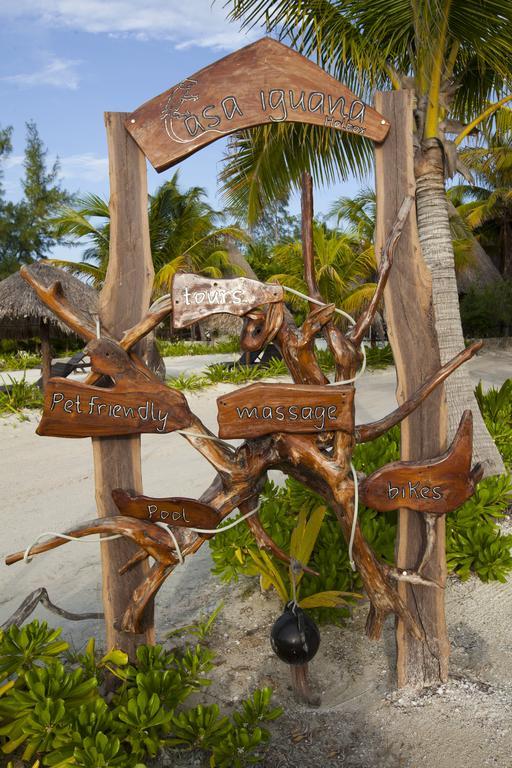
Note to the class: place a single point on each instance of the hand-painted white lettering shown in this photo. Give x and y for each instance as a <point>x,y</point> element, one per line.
<point>413,491</point>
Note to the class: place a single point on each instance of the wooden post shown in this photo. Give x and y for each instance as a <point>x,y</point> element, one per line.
<point>123,301</point>
<point>413,338</point>
<point>46,353</point>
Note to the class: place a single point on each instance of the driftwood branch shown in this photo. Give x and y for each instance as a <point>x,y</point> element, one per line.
<point>54,298</point>
<point>40,596</point>
<point>322,462</point>
<point>364,322</point>
<point>365,432</point>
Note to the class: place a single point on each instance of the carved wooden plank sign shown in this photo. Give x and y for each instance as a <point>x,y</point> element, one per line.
<point>181,512</point>
<point>436,485</point>
<point>265,82</point>
<point>136,403</point>
<point>195,297</point>
<point>261,409</point>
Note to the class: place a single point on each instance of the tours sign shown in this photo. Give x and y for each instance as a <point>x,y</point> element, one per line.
<point>263,83</point>
<point>195,297</point>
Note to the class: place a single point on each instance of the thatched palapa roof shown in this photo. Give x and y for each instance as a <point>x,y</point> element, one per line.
<point>22,312</point>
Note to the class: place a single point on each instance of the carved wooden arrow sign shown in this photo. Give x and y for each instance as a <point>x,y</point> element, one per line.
<point>181,512</point>
<point>436,485</point>
<point>265,82</point>
<point>261,409</point>
<point>195,297</point>
<point>137,402</point>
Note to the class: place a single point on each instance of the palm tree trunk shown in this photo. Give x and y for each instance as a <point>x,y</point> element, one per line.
<point>437,249</point>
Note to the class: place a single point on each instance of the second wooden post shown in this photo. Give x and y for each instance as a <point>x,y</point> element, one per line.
<point>123,302</point>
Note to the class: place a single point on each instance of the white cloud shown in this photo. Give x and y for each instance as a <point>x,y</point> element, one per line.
<point>84,167</point>
<point>186,22</point>
<point>58,73</point>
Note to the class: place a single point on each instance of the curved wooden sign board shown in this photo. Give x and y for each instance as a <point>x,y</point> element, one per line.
<point>265,82</point>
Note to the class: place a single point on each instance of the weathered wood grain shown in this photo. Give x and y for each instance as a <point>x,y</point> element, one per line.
<point>436,486</point>
<point>175,511</point>
<point>265,82</point>
<point>262,409</point>
<point>137,402</point>
<point>124,301</point>
<point>408,303</point>
<point>195,297</point>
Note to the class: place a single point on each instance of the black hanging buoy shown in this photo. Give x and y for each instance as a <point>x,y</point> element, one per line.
<point>294,636</point>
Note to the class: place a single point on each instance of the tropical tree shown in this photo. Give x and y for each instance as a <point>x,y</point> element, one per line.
<point>455,55</point>
<point>486,204</point>
<point>26,233</point>
<point>185,233</point>
<point>343,269</point>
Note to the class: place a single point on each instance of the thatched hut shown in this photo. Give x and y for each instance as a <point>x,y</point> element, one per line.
<point>23,315</point>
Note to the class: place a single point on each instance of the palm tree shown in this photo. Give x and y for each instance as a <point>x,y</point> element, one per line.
<point>486,205</point>
<point>184,234</point>
<point>343,269</point>
<point>456,56</point>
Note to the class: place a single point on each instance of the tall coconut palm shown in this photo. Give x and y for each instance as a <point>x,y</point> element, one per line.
<point>456,55</point>
<point>343,269</point>
<point>184,234</point>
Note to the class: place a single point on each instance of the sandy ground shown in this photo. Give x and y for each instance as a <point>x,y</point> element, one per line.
<point>46,484</point>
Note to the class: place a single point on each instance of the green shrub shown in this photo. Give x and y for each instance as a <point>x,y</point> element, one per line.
<point>190,348</point>
<point>53,708</point>
<point>496,408</point>
<point>20,394</point>
<point>487,311</point>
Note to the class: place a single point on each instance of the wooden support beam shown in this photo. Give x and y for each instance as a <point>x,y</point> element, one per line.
<point>412,334</point>
<point>124,301</point>
<point>46,353</point>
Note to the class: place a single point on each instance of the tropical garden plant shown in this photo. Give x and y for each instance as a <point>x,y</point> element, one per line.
<point>455,54</point>
<point>55,709</point>
<point>185,234</point>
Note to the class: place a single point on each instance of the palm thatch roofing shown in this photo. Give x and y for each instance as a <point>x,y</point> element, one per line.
<point>22,312</point>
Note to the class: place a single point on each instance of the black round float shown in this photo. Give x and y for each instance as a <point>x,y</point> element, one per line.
<point>294,636</point>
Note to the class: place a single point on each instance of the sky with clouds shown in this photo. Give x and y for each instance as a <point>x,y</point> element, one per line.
<point>65,62</point>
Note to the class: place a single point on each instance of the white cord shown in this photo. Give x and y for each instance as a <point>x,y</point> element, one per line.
<point>319,303</point>
<point>205,437</point>
<point>354,519</point>
<point>213,531</point>
<point>175,540</point>
<point>349,317</point>
<point>28,559</point>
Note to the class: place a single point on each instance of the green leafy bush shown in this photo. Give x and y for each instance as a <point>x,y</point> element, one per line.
<point>53,708</point>
<point>496,408</point>
<point>19,395</point>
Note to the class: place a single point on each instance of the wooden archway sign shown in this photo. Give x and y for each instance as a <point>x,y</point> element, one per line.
<point>265,82</point>
<point>261,84</point>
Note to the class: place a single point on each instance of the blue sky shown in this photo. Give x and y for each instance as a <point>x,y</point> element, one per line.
<point>65,62</point>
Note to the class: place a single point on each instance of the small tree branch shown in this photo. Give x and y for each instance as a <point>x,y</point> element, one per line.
<point>364,322</point>
<point>57,302</point>
<point>31,602</point>
<point>365,432</point>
